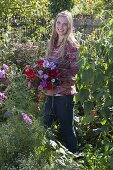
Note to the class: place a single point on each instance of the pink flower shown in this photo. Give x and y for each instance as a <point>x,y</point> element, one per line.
<point>5,67</point>
<point>44,75</point>
<point>26,118</point>
<point>2,96</point>
<point>2,74</point>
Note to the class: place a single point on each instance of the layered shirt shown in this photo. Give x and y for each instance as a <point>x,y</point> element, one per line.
<point>68,69</point>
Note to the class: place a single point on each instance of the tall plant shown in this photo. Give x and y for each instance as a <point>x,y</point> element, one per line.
<point>96,73</point>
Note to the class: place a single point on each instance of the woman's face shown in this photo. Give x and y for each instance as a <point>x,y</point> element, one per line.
<point>61,25</point>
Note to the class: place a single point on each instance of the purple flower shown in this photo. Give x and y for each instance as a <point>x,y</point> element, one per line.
<point>43,83</point>
<point>58,88</point>
<point>2,74</point>
<point>52,65</point>
<point>45,76</point>
<point>40,87</point>
<point>46,64</point>
<point>2,96</point>
<point>5,67</point>
<point>26,118</point>
<point>40,72</point>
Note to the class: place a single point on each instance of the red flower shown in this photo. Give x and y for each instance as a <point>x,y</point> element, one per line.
<point>53,73</point>
<point>40,63</point>
<point>29,72</point>
<point>49,86</point>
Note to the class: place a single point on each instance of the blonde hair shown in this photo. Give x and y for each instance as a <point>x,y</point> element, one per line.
<point>69,37</point>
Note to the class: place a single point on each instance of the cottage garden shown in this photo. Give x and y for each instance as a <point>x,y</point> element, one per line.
<point>24,143</point>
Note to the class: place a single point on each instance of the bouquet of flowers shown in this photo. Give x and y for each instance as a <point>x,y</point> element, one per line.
<point>44,75</point>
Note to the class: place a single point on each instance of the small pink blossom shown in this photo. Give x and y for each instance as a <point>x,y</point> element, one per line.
<point>2,74</point>
<point>5,67</point>
<point>26,118</point>
<point>2,96</point>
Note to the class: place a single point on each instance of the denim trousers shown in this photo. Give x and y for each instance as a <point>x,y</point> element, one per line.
<point>60,108</point>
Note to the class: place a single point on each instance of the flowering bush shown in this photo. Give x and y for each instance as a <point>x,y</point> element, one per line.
<point>26,118</point>
<point>3,71</point>
<point>44,75</point>
<point>25,52</point>
<point>3,77</point>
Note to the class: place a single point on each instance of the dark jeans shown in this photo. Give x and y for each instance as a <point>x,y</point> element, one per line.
<point>61,108</point>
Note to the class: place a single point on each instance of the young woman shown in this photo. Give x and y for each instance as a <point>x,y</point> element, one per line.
<point>62,49</point>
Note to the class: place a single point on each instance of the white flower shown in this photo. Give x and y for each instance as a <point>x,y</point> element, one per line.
<point>53,80</point>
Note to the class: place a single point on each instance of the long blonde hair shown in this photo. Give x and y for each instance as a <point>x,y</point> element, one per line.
<point>69,37</point>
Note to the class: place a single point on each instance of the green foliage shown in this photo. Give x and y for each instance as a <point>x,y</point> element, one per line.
<point>26,19</point>
<point>26,147</point>
<point>95,76</point>
<point>18,140</point>
<point>101,9</point>
<point>18,92</point>
<point>94,160</point>
<point>56,6</point>
<point>17,137</point>
<point>95,96</point>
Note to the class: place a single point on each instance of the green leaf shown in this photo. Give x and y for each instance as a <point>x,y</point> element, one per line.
<point>111,53</point>
<point>88,106</point>
<point>111,161</point>
<point>83,95</point>
<point>88,75</point>
<point>103,122</point>
<point>111,24</point>
<point>87,119</point>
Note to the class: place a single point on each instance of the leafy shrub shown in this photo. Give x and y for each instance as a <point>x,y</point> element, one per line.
<point>95,95</point>
<point>27,19</point>
<point>56,6</point>
<point>17,137</point>
<point>24,146</point>
<point>95,76</point>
